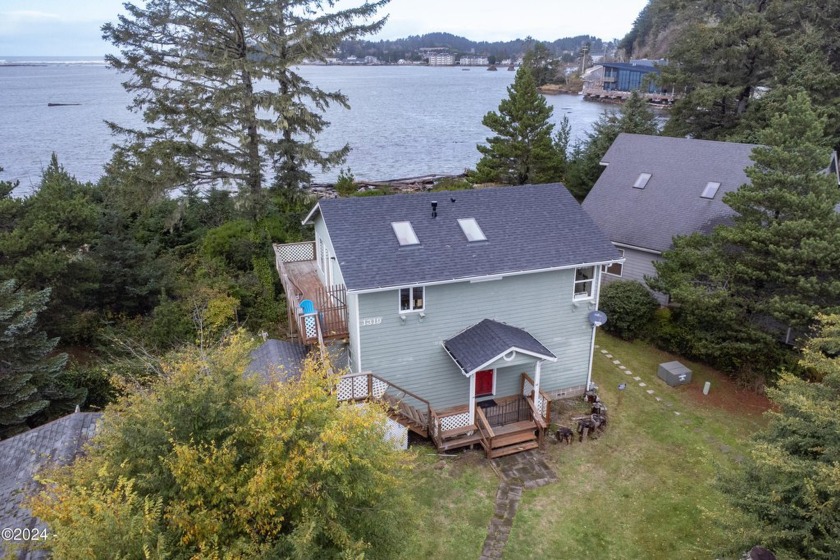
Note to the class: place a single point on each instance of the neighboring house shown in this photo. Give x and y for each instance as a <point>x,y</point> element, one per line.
<point>656,187</point>
<point>21,457</point>
<point>466,311</point>
<point>617,80</point>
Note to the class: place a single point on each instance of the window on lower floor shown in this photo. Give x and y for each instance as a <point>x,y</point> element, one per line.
<point>484,383</point>
<point>412,299</point>
<point>584,279</point>
<point>616,269</point>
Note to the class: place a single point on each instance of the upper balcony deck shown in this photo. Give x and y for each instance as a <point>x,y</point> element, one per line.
<point>298,270</point>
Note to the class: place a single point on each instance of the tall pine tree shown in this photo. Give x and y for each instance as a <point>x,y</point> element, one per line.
<point>783,244</point>
<point>28,370</point>
<point>791,480</point>
<point>523,150</point>
<point>216,82</point>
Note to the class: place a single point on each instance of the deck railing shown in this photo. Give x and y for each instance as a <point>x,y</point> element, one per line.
<point>330,302</point>
<point>541,403</point>
<point>412,411</point>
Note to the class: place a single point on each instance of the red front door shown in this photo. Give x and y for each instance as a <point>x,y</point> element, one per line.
<point>484,382</point>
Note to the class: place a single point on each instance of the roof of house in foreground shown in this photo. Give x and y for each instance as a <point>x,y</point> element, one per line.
<point>671,203</point>
<point>23,455</point>
<point>527,228</point>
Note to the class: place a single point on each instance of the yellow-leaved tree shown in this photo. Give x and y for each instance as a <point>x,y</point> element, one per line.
<point>208,463</point>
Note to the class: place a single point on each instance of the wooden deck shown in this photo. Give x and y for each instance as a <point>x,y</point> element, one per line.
<point>298,272</point>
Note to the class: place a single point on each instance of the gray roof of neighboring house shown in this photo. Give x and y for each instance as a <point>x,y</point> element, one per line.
<point>670,204</point>
<point>489,340</point>
<point>528,228</point>
<point>23,455</point>
<point>277,357</point>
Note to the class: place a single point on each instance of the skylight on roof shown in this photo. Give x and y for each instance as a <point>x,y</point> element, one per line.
<point>471,229</point>
<point>642,181</point>
<point>405,233</point>
<point>711,189</point>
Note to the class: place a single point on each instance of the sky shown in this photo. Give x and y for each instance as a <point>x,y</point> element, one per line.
<point>72,28</point>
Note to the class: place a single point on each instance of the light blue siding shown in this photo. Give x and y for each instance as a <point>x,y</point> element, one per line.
<point>637,265</point>
<point>410,354</point>
<point>322,233</point>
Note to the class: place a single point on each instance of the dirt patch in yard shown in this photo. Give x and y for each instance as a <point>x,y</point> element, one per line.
<point>726,395</point>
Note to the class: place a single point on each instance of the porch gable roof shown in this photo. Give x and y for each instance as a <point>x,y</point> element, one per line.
<point>483,343</point>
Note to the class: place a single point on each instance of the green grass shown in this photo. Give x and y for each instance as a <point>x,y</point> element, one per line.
<point>646,488</point>
<point>454,499</point>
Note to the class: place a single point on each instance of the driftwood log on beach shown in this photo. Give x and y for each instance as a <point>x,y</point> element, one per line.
<point>402,185</point>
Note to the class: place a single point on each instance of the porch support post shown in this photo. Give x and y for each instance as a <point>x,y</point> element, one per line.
<point>472,399</point>
<point>537,381</point>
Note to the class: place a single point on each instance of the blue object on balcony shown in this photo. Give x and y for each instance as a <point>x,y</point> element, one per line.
<point>307,307</point>
<point>309,325</point>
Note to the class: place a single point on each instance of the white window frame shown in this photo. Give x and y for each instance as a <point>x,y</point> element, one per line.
<point>590,293</point>
<point>405,234</point>
<point>411,300</point>
<point>606,268</point>
<point>472,231</point>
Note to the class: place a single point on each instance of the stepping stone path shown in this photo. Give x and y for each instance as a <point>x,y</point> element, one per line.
<point>642,384</point>
<point>637,378</point>
<point>626,371</point>
<point>622,367</point>
<point>650,391</point>
<point>519,471</point>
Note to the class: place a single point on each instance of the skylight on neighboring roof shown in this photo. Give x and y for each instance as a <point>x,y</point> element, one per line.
<point>711,189</point>
<point>405,233</point>
<point>642,181</point>
<point>471,229</point>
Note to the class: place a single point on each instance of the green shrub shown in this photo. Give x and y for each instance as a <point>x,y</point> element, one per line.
<point>629,307</point>
<point>346,183</point>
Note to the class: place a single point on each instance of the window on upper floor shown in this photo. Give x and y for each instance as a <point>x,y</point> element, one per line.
<point>584,281</point>
<point>616,269</point>
<point>412,299</point>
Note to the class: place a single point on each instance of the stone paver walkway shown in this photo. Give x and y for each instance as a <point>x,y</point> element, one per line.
<point>522,470</point>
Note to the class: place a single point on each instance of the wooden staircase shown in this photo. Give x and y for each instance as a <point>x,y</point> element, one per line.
<point>508,439</point>
<point>403,407</point>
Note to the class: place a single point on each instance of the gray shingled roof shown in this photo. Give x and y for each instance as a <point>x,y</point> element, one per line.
<point>23,455</point>
<point>670,204</point>
<point>277,357</point>
<point>529,227</point>
<point>488,341</point>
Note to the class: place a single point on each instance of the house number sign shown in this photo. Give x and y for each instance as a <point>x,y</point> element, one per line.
<point>371,321</point>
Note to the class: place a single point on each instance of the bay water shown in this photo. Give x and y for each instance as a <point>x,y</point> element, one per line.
<point>404,121</point>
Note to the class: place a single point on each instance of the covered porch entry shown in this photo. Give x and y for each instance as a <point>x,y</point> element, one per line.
<point>505,412</point>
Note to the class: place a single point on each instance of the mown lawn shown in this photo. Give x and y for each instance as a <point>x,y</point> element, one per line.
<point>645,489</point>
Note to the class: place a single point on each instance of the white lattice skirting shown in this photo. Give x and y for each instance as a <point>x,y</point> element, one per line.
<point>454,421</point>
<point>295,252</point>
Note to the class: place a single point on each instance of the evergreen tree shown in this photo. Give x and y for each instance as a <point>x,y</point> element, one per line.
<point>28,370</point>
<point>783,242</point>
<point>217,86</point>
<point>49,246</point>
<point>635,117</point>
<point>791,480</point>
<point>523,150</point>
<point>543,64</point>
<point>776,265</point>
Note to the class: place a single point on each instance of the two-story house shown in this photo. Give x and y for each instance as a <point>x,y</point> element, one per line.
<point>466,310</point>
<point>656,187</point>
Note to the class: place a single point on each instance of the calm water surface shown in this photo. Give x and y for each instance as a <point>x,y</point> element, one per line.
<point>403,121</point>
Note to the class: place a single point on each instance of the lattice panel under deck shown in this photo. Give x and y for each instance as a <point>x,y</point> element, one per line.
<point>542,405</point>
<point>350,388</point>
<point>379,388</point>
<point>455,421</point>
<point>296,252</point>
<point>311,326</point>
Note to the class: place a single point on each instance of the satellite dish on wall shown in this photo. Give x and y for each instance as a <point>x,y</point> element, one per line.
<point>597,318</point>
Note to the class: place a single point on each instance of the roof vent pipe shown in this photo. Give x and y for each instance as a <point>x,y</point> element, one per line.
<point>434,209</point>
